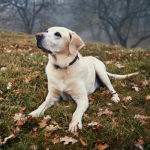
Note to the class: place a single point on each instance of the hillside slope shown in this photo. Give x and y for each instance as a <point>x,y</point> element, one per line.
<point>23,87</point>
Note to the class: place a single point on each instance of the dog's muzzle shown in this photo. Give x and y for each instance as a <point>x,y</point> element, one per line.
<point>39,37</point>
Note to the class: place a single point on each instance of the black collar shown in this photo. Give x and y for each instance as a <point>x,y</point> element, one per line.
<point>71,63</point>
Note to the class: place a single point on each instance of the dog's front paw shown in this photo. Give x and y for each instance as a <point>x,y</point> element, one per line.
<point>74,126</point>
<point>115,98</point>
<point>36,113</point>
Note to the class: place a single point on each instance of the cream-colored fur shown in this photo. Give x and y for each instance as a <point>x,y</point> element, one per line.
<point>77,80</point>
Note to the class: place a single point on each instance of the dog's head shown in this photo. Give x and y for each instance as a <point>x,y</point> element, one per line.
<point>58,40</point>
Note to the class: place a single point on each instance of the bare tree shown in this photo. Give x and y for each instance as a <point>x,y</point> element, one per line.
<point>26,11</point>
<point>117,15</point>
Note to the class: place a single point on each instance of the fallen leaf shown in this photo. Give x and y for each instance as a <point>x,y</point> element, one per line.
<point>43,123</point>
<point>127,98</point>
<point>104,112</point>
<point>9,85</point>
<point>107,92</point>
<point>91,100</point>
<point>1,98</point>
<point>1,92</point>
<point>33,147</point>
<point>114,123</point>
<point>137,89</point>
<point>109,104</point>
<point>8,51</point>
<point>48,117</point>
<point>100,146</point>
<point>141,118</point>
<point>95,125</point>
<point>22,110</point>
<point>144,83</point>
<point>15,130</point>
<point>44,56</point>
<point>147,97</point>
<point>3,68</point>
<point>47,134</point>
<point>19,117</point>
<point>56,140</point>
<point>119,65</point>
<point>123,85</point>
<point>108,62</point>
<point>20,122</point>
<point>16,92</point>
<point>68,140</point>
<point>75,133</point>
<point>35,129</point>
<point>33,119</point>
<point>52,128</point>
<point>34,135</point>
<point>82,142</point>
<point>134,84</point>
<point>54,122</point>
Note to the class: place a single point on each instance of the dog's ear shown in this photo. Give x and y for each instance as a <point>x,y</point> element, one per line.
<point>76,43</point>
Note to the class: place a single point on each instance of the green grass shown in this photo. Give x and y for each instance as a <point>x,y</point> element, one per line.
<point>26,71</point>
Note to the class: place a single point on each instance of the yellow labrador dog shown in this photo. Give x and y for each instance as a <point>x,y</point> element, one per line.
<point>70,74</point>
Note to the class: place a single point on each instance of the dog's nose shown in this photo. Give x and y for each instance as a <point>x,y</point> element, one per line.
<point>39,36</point>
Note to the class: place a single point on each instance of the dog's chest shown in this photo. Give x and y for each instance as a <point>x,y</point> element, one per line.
<point>60,79</point>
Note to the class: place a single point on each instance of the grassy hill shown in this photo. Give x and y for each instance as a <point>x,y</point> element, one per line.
<point>23,87</point>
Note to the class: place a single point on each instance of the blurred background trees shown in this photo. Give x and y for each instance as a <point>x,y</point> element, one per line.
<point>124,22</point>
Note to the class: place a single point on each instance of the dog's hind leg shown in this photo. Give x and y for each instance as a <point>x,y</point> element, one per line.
<point>51,98</point>
<point>102,74</point>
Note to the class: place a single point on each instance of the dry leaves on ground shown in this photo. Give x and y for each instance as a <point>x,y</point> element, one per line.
<point>119,65</point>
<point>104,112</point>
<point>12,135</point>
<point>48,117</point>
<point>34,147</point>
<point>137,89</point>
<point>108,62</point>
<point>127,99</point>
<point>47,134</point>
<point>68,140</point>
<point>17,92</point>
<point>20,118</point>
<point>100,146</point>
<point>43,122</point>
<point>56,140</point>
<point>3,69</point>
<point>91,100</point>
<point>144,83</point>
<point>95,125</point>
<point>114,123</point>
<point>141,118</point>
<point>147,97</point>
<point>52,127</point>
<point>9,85</point>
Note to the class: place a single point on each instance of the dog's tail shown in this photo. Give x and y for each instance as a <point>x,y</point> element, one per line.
<point>116,76</point>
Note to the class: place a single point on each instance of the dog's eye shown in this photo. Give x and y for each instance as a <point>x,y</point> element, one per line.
<point>47,31</point>
<point>57,34</point>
